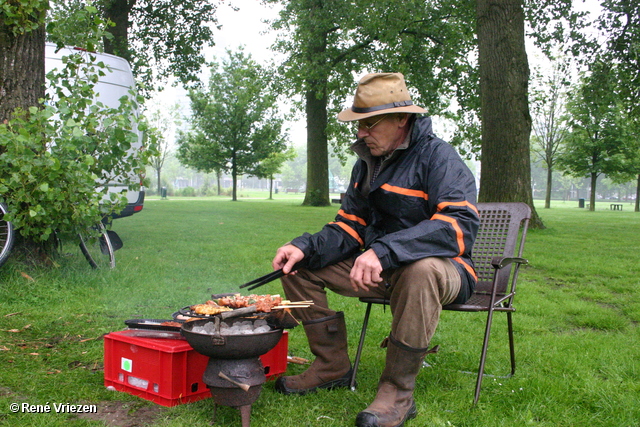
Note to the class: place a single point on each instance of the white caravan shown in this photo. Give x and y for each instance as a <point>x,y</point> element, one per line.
<point>115,84</point>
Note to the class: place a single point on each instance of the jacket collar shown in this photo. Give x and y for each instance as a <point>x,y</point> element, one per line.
<point>363,152</point>
<point>360,147</point>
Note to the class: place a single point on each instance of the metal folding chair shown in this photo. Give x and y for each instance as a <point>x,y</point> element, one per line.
<point>497,255</point>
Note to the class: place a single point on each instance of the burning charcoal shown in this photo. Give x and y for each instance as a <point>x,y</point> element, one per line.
<point>209,328</point>
<point>260,322</point>
<point>245,329</point>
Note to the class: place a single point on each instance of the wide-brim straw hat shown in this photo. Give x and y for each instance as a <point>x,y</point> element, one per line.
<point>380,93</point>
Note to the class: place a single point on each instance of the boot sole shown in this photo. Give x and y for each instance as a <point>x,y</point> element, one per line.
<point>343,382</point>
<point>368,419</point>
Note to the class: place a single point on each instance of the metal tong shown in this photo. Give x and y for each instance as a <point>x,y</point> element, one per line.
<point>256,283</point>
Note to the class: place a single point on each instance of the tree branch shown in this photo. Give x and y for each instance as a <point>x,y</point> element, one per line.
<point>363,45</point>
<point>422,35</point>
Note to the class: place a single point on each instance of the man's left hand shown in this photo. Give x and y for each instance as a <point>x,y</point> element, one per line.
<point>366,271</point>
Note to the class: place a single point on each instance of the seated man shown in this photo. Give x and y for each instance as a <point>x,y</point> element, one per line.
<point>405,231</point>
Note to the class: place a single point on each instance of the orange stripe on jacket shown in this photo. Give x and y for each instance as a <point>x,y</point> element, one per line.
<point>352,217</point>
<point>467,267</point>
<point>353,233</point>
<point>456,227</point>
<point>443,205</point>
<point>405,191</point>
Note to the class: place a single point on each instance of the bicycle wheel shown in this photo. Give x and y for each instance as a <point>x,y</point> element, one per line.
<point>6,235</point>
<point>97,248</point>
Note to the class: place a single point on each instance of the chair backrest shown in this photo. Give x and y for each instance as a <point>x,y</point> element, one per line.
<point>503,228</point>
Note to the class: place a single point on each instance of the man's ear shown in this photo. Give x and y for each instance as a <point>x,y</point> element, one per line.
<point>403,119</point>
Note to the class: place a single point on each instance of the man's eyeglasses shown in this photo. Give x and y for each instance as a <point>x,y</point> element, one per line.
<point>361,125</point>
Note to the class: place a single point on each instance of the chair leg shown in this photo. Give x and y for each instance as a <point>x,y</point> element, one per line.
<point>512,351</point>
<point>483,356</point>
<point>365,323</point>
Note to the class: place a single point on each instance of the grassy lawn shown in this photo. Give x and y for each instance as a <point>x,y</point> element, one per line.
<point>576,326</point>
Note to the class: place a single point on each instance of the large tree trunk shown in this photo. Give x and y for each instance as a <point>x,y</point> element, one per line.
<point>317,151</point>
<point>506,122</point>
<point>21,70</point>
<point>317,193</point>
<point>118,12</point>
<point>22,83</point>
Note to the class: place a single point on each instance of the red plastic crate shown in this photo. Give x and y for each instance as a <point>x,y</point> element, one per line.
<point>166,371</point>
<point>275,360</point>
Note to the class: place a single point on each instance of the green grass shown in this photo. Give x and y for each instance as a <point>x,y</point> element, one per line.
<point>576,326</point>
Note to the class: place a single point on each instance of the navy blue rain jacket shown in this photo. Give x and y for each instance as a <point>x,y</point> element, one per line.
<point>422,204</point>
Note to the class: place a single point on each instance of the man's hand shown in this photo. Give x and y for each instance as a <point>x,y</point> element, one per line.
<point>286,257</point>
<point>366,271</point>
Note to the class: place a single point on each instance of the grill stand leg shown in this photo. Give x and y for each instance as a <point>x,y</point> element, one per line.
<point>245,414</point>
<point>215,410</point>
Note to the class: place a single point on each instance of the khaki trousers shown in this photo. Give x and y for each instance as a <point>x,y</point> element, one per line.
<point>417,293</point>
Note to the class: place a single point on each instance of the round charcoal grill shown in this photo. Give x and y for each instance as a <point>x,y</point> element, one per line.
<point>234,373</point>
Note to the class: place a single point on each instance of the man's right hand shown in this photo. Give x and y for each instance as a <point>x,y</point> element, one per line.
<point>286,257</point>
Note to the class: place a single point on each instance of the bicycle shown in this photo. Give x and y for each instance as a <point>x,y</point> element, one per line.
<point>97,244</point>
<point>98,247</point>
<point>7,235</point>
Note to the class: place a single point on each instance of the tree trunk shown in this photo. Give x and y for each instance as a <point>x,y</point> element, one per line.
<point>271,188</point>
<point>234,178</point>
<point>592,196</point>
<point>506,122</point>
<point>118,12</point>
<point>159,183</point>
<point>21,70</point>
<point>22,83</point>
<point>637,209</point>
<point>547,197</point>
<point>317,193</point>
<point>317,151</point>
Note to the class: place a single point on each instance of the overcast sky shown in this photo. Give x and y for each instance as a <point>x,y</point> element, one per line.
<point>244,28</point>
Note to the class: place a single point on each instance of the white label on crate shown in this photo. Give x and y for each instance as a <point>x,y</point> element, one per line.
<point>126,364</point>
<point>138,382</point>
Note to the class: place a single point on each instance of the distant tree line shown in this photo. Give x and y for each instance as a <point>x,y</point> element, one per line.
<point>590,126</point>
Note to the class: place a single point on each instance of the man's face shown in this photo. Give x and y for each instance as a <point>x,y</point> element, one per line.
<point>382,134</point>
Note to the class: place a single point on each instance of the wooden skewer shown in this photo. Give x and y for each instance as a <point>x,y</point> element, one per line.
<point>280,307</point>
<point>245,387</point>
<point>297,360</point>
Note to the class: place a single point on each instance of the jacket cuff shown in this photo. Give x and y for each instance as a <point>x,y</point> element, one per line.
<point>303,243</point>
<point>383,255</point>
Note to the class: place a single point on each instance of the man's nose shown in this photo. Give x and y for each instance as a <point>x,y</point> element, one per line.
<point>362,132</point>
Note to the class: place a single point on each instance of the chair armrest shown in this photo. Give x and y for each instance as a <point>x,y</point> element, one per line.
<point>499,262</point>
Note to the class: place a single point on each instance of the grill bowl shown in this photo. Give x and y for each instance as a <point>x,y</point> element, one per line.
<point>230,346</point>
